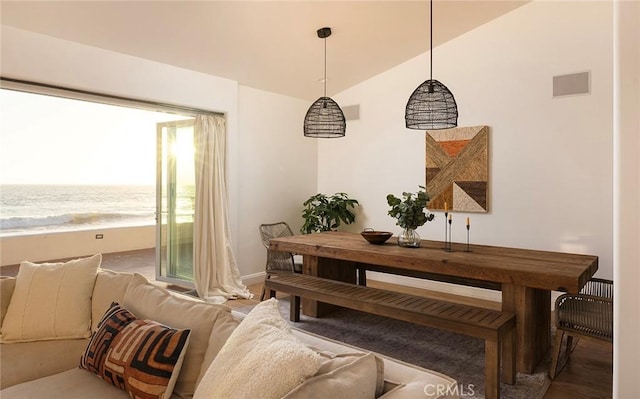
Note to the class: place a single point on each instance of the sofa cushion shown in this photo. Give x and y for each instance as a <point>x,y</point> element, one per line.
<point>220,332</point>
<point>408,381</point>
<point>148,301</point>
<point>26,361</point>
<point>70,384</point>
<point>110,287</point>
<point>347,375</point>
<point>141,357</point>
<point>51,301</point>
<point>7,285</point>
<point>261,359</point>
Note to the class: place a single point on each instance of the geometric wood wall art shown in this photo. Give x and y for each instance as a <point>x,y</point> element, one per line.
<point>457,168</point>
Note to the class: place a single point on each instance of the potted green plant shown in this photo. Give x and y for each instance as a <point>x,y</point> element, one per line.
<point>324,213</point>
<point>410,213</point>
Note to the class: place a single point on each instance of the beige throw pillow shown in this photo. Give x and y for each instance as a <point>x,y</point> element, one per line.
<point>51,301</point>
<point>261,359</point>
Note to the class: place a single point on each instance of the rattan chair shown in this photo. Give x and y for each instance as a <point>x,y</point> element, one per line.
<point>588,315</point>
<point>277,261</point>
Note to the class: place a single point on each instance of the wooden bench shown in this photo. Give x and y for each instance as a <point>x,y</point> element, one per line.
<point>495,327</point>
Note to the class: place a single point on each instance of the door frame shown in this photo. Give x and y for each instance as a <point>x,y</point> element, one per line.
<point>159,192</point>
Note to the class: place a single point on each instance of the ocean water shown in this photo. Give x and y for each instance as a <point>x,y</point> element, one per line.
<point>26,209</point>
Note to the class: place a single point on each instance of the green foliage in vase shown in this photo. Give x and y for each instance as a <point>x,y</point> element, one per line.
<point>324,213</point>
<point>410,210</point>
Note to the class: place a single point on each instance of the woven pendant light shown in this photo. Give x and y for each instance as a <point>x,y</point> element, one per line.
<point>324,119</point>
<point>431,106</point>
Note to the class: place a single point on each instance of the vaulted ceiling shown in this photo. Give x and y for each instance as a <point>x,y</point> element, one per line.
<point>270,45</point>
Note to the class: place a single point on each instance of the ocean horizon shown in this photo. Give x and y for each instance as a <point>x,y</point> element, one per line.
<point>42,208</point>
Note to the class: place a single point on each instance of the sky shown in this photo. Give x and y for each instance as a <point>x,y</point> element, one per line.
<point>51,140</point>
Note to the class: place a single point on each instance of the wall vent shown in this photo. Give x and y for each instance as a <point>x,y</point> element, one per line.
<point>572,84</point>
<point>351,112</point>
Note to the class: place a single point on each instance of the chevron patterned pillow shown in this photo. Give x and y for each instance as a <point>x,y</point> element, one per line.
<point>140,357</point>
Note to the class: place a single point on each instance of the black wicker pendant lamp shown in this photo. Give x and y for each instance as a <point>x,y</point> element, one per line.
<point>431,106</point>
<point>324,118</point>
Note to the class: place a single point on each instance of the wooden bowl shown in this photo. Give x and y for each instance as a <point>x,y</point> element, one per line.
<point>376,237</point>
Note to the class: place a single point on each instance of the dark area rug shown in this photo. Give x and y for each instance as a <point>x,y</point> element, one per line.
<point>456,355</point>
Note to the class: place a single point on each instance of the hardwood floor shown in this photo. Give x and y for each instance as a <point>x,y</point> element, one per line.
<point>587,375</point>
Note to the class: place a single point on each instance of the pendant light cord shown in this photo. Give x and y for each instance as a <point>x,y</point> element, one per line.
<point>430,40</point>
<point>325,66</point>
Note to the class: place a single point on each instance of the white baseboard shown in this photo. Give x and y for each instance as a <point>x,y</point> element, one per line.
<point>255,278</point>
<point>431,285</point>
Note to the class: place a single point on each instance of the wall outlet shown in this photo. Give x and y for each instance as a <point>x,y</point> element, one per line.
<point>99,236</point>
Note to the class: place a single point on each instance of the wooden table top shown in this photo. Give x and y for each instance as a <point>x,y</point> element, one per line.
<point>522,267</point>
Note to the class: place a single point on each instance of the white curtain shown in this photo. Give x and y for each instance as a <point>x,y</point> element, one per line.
<point>215,269</point>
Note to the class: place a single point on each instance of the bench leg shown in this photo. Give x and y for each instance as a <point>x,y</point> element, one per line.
<point>491,370</point>
<point>294,308</point>
<point>508,358</point>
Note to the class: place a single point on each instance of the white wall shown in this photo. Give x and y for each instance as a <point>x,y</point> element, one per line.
<point>277,172</point>
<point>550,159</point>
<point>626,353</point>
<point>259,124</point>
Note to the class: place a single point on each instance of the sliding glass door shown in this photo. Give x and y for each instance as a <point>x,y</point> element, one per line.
<point>175,202</point>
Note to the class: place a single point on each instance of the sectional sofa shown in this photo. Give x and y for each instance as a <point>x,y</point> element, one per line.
<point>73,330</point>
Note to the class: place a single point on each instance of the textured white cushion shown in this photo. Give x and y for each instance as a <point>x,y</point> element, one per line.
<point>347,375</point>
<point>51,301</point>
<point>261,359</point>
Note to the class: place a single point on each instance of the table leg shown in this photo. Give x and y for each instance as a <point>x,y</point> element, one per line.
<point>334,269</point>
<point>533,323</point>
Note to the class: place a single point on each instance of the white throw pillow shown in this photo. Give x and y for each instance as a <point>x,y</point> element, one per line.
<point>51,301</point>
<point>261,359</point>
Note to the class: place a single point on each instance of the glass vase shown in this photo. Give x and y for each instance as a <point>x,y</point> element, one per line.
<point>409,238</point>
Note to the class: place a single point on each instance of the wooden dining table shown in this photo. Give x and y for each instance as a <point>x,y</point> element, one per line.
<point>525,277</point>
